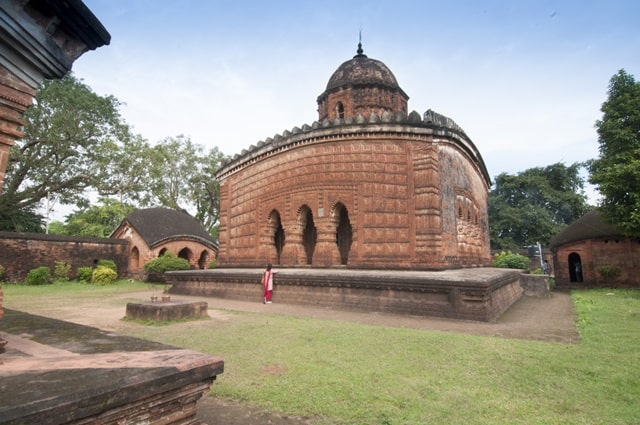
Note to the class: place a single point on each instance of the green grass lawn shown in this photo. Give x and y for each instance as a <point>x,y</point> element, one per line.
<point>347,373</point>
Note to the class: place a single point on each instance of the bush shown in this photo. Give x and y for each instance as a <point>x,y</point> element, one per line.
<point>84,274</point>
<point>165,263</point>
<point>609,272</point>
<point>109,264</point>
<point>61,271</point>
<point>38,276</point>
<point>509,260</point>
<point>212,264</point>
<point>103,275</point>
<point>2,270</point>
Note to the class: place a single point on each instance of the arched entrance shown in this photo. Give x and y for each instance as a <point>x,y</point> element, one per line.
<point>575,268</point>
<point>309,232</point>
<point>134,259</point>
<point>278,233</point>
<point>203,261</point>
<point>344,232</point>
<point>186,254</point>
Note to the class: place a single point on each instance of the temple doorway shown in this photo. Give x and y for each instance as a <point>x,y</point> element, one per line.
<point>344,232</point>
<point>309,232</point>
<point>575,268</point>
<point>278,233</point>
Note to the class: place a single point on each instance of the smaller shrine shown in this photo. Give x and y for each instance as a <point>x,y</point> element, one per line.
<point>153,231</point>
<point>590,252</point>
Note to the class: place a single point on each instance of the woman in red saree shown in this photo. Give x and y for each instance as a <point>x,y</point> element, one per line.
<point>267,284</point>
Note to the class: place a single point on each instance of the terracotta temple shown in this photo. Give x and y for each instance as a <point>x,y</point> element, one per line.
<point>368,185</point>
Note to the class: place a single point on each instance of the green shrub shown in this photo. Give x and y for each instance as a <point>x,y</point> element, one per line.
<point>609,272</point>
<point>165,263</point>
<point>2,270</point>
<point>103,275</point>
<point>38,276</point>
<point>509,260</point>
<point>61,271</point>
<point>212,264</point>
<point>109,264</point>
<point>84,274</point>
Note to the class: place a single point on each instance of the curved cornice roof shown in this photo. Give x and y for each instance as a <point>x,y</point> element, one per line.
<point>589,226</point>
<point>157,225</point>
<point>430,123</point>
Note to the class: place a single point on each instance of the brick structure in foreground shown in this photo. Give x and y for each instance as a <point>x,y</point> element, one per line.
<point>367,186</point>
<point>56,373</point>
<point>39,39</point>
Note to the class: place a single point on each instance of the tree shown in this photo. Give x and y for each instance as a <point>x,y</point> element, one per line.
<point>206,192</point>
<point>181,176</point>
<point>98,220</point>
<point>616,173</point>
<point>63,137</point>
<point>535,204</point>
<point>15,219</point>
<point>122,168</point>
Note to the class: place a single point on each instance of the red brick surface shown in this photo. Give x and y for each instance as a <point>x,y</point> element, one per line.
<point>21,252</point>
<point>594,253</point>
<point>415,199</point>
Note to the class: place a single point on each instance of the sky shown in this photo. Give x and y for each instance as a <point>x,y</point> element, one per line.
<point>524,79</point>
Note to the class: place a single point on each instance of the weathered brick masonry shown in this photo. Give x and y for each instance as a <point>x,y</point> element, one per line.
<point>21,252</point>
<point>367,186</point>
<point>481,294</point>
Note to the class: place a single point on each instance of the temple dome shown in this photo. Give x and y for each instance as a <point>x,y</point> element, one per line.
<point>362,70</point>
<point>363,86</point>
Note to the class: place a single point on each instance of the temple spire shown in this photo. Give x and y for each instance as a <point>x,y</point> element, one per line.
<point>360,51</point>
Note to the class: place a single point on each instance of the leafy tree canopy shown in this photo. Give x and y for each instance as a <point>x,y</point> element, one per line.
<point>97,220</point>
<point>534,205</point>
<point>63,141</point>
<point>75,142</point>
<point>616,173</point>
<point>182,177</point>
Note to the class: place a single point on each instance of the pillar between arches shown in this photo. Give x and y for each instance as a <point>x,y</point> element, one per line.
<point>326,252</point>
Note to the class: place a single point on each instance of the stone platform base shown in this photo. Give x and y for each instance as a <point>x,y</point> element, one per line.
<point>167,311</point>
<point>480,294</point>
<point>55,372</point>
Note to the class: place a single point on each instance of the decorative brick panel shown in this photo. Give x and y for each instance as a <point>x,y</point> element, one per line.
<point>398,185</point>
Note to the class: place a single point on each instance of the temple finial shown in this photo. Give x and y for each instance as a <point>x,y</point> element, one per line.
<point>360,51</point>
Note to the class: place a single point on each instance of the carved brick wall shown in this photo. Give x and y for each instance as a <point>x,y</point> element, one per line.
<point>15,98</point>
<point>364,101</point>
<point>401,192</point>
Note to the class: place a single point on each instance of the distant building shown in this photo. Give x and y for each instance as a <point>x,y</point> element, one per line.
<point>152,232</point>
<point>585,249</point>
<point>368,185</point>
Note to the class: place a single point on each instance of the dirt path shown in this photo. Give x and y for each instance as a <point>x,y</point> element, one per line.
<point>545,319</point>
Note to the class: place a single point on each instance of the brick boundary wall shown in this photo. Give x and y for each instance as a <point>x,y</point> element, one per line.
<point>21,252</point>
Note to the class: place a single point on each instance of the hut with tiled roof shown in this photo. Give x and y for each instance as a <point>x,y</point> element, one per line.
<point>153,231</point>
<point>591,252</point>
